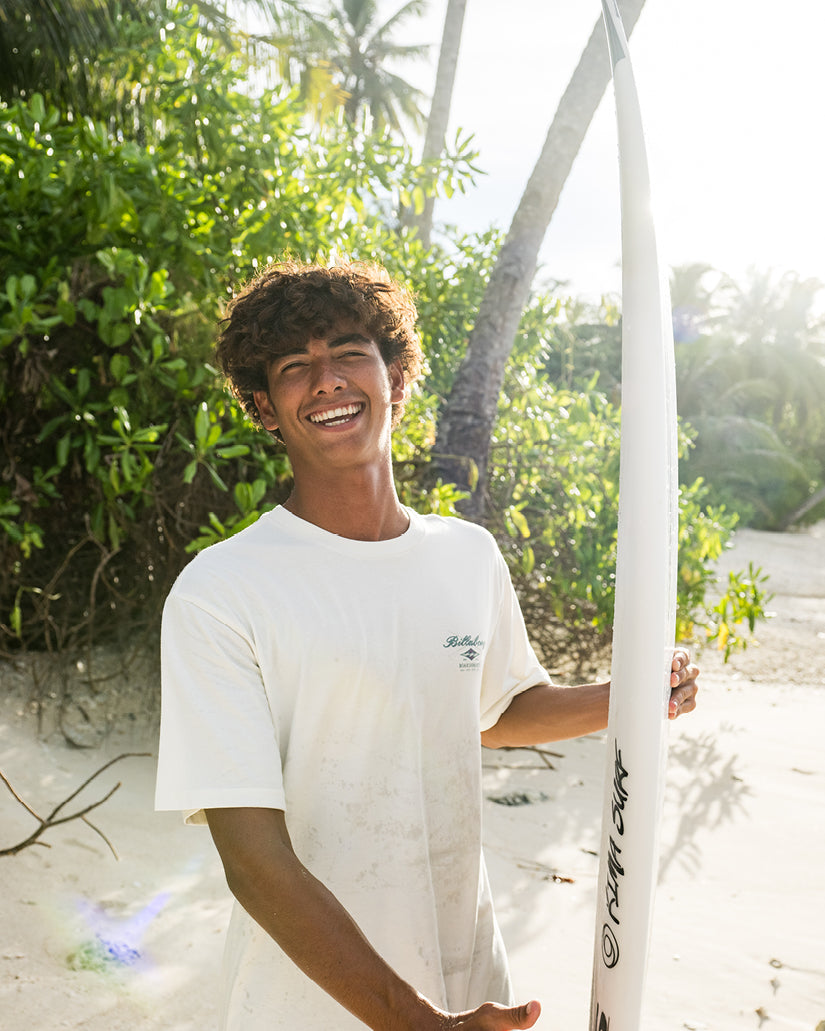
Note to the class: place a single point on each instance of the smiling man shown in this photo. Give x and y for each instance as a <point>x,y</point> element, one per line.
<point>329,676</point>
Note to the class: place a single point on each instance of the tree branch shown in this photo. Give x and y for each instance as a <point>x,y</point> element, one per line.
<point>52,821</point>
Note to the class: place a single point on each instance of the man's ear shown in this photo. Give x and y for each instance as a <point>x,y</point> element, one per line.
<point>266,410</point>
<point>398,386</point>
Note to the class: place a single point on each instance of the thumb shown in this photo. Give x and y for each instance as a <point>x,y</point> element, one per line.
<point>521,1016</point>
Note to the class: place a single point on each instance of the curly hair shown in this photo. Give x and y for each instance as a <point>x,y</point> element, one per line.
<point>288,303</point>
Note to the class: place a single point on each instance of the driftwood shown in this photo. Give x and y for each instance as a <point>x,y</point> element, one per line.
<point>541,752</point>
<point>54,820</point>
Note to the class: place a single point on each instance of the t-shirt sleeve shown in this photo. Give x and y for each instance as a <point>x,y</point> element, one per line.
<point>511,665</point>
<point>219,738</point>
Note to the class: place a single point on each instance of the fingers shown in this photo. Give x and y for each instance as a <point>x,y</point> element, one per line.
<point>684,677</point>
<point>680,662</point>
<point>683,684</point>
<point>681,702</point>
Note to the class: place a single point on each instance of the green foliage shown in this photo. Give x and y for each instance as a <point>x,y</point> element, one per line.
<point>742,603</point>
<point>120,447</point>
<point>750,369</point>
<point>553,498</point>
<point>585,340</point>
<point>121,452</point>
<point>750,469</point>
<point>249,501</point>
<point>750,362</point>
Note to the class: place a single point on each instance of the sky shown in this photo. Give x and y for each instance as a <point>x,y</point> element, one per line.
<point>733,104</point>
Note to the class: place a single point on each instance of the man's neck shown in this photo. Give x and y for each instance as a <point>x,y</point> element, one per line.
<point>362,508</point>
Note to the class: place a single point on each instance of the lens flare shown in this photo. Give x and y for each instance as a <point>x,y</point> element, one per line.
<point>116,941</point>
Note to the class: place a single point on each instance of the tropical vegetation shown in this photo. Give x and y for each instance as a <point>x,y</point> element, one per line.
<point>751,367</point>
<point>132,206</point>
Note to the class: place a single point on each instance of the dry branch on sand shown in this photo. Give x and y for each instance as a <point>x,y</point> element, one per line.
<point>54,820</point>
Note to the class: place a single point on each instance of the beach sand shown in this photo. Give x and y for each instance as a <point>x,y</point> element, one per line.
<point>739,925</point>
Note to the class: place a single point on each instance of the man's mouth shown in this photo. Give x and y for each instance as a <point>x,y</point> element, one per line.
<point>335,416</point>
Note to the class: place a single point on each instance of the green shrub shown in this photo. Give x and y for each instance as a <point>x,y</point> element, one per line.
<point>553,505</point>
<point>121,452</point>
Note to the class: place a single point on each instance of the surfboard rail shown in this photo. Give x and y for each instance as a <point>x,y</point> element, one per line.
<point>645,608</point>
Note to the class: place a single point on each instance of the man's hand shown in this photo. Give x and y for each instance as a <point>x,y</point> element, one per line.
<point>683,685</point>
<point>492,1017</point>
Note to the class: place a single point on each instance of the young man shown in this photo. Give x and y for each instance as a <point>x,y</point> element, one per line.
<point>329,676</point>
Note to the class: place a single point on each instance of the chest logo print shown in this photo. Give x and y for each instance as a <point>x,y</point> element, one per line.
<point>471,650</point>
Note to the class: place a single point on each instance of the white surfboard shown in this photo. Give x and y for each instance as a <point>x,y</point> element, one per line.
<point>643,634</point>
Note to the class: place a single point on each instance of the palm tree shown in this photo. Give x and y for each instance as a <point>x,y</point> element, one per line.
<point>693,299</point>
<point>56,47</point>
<point>50,46</point>
<point>776,345</point>
<point>751,385</point>
<point>347,42</point>
<point>468,416</point>
<point>439,117</point>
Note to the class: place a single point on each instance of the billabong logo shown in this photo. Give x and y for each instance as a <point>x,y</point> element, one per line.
<point>473,649</point>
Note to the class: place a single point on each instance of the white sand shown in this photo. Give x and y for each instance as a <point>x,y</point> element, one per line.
<point>739,933</point>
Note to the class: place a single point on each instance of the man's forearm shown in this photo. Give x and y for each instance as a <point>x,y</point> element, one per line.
<point>549,712</point>
<point>310,925</point>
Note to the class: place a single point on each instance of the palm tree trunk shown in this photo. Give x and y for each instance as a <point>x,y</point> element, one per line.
<point>811,503</point>
<point>469,414</point>
<point>442,98</point>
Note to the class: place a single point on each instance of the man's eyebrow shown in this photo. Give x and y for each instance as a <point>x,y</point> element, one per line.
<point>341,341</point>
<point>349,338</point>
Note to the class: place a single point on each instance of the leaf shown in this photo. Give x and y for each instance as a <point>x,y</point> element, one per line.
<point>122,423</point>
<point>28,287</point>
<point>202,426</point>
<point>520,522</point>
<point>117,335</point>
<point>114,533</point>
<point>83,382</point>
<point>62,449</point>
<point>528,560</point>
<point>38,108</point>
<point>16,620</point>
<point>119,365</point>
<point>233,451</point>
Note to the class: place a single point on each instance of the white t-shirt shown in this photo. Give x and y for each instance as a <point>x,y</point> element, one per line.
<point>347,682</point>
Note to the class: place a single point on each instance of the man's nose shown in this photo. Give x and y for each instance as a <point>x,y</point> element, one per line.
<point>327,377</point>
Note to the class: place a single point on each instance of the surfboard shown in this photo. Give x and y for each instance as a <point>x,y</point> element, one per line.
<point>643,629</point>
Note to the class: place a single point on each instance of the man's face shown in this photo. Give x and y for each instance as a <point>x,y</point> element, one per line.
<point>332,400</point>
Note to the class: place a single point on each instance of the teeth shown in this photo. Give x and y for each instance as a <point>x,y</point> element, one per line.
<point>335,413</point>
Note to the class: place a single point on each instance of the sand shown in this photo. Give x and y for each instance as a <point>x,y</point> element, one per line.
<point>739,928</point>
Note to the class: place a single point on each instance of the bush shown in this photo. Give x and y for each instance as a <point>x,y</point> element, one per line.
<point>122,453</point>
<point>121,450</point>
<point>553,505</point>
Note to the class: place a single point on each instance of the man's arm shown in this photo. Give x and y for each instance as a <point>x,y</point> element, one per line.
<point>318,934</point>
<point>549,712</point>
